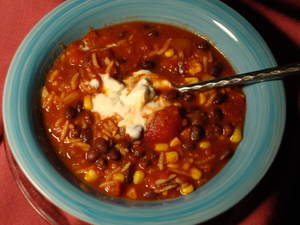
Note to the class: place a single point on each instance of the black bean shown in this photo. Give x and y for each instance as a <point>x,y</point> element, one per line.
<point>86,135</point>
<point>226,154</point>
<point>101,163</point>
<point>75,132</point>
<point>214,131</point>
<point>92,155</point>
<point>216,69</point>
<point>80,107</point>
<point>217,130</point>
<point>129,175</point>
<point>114,154</point>
<point>216,114</point>
<point>189,146</point>
<point>228,129</point>
<point>102,145</point>
<point>188,96</point>
<point>70,112</point>
<point>197,133</point>
<point>220,99</point>
<point>204,45</point>
<point>199,118</point>
<point>147,65</point>
<point>153,33</point>
<point>171,95</point>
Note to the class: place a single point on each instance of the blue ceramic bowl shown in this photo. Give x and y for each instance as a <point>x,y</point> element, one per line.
<point>232,35</point>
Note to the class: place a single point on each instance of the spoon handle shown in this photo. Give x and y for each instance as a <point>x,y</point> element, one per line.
<point>245,78</point>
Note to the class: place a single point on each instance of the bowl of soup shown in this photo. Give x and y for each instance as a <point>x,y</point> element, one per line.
<point>97,126</point>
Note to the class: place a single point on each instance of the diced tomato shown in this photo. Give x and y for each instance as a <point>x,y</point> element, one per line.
<point>114,190</point>
<point>165,125</point>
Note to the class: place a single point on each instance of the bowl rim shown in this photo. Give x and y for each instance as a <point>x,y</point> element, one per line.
<point>274,90</point>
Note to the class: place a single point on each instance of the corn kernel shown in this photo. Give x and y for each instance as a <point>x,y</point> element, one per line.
<point>202,98</point>
<point>204,144</point>
<point>91,175</point>
<point>170,52</point>
<point>119,177</point>
<point>172,156</point>
<point>138,177</point>
<point>186,166</point>
<point>87,102</point>
<point>195,68</point>
<point>175,142</point>
<point>187,190</point>
<point>237,135</point>
<point>195,173</point>
<point>191,80</point>
<point>132,193</point>
<point>161,147</point>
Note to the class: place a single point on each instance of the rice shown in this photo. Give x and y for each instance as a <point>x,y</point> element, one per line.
<point>161,161</point>
<point>64,131</point>
<point>166,188</point>
<point>75,81</point>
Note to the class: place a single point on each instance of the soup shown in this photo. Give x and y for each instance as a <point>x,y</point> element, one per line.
<point>116,121</point>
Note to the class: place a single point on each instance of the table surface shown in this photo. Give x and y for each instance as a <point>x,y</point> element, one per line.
<point>275,200</point>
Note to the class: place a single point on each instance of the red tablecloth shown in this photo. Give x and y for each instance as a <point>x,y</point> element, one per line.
<point>278,21</point>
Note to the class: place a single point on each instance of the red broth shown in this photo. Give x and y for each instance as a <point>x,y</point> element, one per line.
<point>132,135</point>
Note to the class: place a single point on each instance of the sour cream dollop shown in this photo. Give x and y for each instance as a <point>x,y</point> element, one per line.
<point>133,101</point>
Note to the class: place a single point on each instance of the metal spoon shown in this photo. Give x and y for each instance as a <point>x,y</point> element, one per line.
<point>245,78</point>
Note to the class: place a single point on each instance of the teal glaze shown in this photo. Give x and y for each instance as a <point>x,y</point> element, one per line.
<point>234,36</point>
